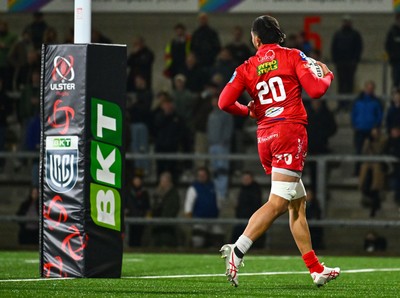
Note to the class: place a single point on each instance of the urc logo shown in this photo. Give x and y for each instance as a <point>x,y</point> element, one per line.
<point>61,163</point>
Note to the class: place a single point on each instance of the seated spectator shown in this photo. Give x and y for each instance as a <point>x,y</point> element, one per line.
<point>249,200</point>
<point>29,231</point>
<point>372,174</point>
<point>373,242</point>
<point>137,205</point>
<point>165,204</point>
<point>201,202</point>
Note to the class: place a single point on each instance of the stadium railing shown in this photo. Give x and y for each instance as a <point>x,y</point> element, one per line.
<point>322,162</point>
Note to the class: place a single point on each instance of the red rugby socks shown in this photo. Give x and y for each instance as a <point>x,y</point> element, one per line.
<point>312,263</point>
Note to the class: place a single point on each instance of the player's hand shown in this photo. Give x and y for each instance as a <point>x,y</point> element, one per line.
<point>325,68</point>
<point>251,108</point>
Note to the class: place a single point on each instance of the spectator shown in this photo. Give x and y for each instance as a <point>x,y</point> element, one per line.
<point>7,41</point>
<point>393,113</point>
<point>346,50</point>
<point>183,98</point>
<point>393,148</point>
<point>26,71</point>
<point>205,42</point>
<point>139,123</point>
<point>69,35</point>
<point>5,112</point>
<point>240,50</point>
<point>372,174</point>
<point>219,137</point>
<point>99,37</point>
<point>305,45</point>
<point>33,144</point>
<point>176,51</point>
<point>366,113</point>
<point>201,202</point>
<point>166,204</point>
<point>321,127</point>
<point>392,47</point>
<point>373,242</point>
<point>224,66</point>
<point>313,211</point>
<point>137,205</point>
<point>50,36</point>
<point>37,29</point>
<point>239,137</point>
<point>18,56</point>
<point>140,63</point>
<point>184,102</point>
<point>201,110</point>
<point>29,231</point>
<point>293,41</point>
<point>28,104</point>
<point>249,200</point>
<point>169,132</point>
<point>196,77</point>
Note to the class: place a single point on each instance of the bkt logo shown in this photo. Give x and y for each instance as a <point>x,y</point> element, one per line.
<point>61,163</point>
<point>106,164</point>
<point>63,72</point>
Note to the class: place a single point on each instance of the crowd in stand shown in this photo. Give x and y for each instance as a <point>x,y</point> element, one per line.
<point>186,118</point>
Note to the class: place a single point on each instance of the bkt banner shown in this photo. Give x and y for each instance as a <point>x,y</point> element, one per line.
<point>82,160</point>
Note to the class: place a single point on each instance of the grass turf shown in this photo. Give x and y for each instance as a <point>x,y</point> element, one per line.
<point>263,276</point>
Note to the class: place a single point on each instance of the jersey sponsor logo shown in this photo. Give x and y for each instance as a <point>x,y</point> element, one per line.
<point>269,56</point>
<point>61,163</point>
<point>233,77</point>
<point>266,67</point>
<point>274,111</point>
<point>266,139</point>
<point>303,56</point>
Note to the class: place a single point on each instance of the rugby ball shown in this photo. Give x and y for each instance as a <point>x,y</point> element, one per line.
<point>315,68</point>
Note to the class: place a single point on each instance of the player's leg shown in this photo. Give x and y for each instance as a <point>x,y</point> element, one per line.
<point>301,234</point>
<point>283,188</point>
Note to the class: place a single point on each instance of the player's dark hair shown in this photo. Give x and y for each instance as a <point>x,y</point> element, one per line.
<point>268,30</point>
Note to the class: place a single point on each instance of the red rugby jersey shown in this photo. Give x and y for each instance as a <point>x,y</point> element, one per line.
<point>274,78</point>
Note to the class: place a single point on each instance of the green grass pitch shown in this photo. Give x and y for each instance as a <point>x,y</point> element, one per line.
<point>197,275</point>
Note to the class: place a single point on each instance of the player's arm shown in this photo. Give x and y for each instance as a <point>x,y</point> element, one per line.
<point>313,85</point>
<point>228,101</point>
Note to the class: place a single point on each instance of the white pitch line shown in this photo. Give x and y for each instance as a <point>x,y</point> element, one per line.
<point>35,279</point>
<point>261,273</point>
<point>366,270</point>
